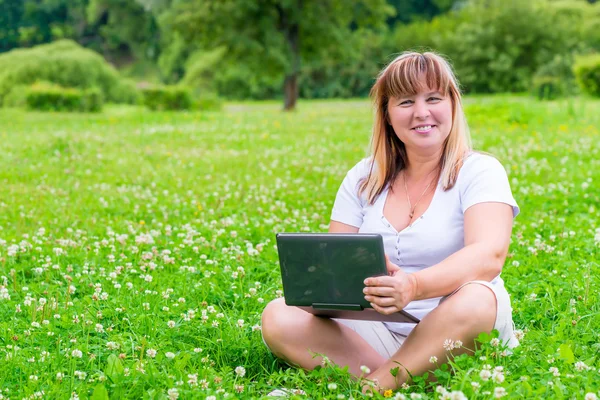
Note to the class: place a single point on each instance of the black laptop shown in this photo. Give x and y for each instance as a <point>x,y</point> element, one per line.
<point>324,273</point>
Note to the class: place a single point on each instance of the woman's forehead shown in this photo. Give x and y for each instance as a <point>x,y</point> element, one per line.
<point>423,91</point>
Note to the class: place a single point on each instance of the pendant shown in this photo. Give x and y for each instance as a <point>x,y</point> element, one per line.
<point>411,214</point>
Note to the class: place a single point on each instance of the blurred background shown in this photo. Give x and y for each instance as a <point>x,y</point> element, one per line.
<point>172,54</point>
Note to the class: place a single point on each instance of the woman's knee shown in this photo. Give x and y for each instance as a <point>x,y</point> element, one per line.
<point>473,305</point>
<point>278,319</point>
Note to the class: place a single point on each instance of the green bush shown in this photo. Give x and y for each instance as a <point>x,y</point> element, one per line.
<point>208,101</point>
<point>554,79</point>
<point>547,87</point>
<point>164,98</point>
<point>45,96</point>
<point>587,73</point>
<point>67,64</point>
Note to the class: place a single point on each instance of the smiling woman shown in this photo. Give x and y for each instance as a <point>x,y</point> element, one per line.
<point>445,215</point>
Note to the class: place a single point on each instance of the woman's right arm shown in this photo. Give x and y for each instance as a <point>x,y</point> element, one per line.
<point>340,227</point>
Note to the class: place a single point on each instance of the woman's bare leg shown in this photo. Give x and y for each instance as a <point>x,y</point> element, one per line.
<point>293,335</point>
<point>462,316</point>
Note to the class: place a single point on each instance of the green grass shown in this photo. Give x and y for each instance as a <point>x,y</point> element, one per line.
<point>183,207</point>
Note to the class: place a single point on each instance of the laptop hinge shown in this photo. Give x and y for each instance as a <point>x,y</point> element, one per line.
<point>345,307</point>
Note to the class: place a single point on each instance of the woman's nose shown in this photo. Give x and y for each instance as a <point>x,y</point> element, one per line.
<point>421,110</point>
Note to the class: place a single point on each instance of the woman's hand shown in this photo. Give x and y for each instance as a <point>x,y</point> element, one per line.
<point>390,294</point>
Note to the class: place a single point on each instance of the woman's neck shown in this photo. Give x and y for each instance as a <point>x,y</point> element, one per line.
<point>420,166</point>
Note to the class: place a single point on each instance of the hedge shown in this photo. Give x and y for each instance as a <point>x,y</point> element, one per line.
<point>67,64</point>
<point>44,96</point>
<point>587,73</point>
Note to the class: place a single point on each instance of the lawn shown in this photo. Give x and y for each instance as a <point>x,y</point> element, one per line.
<point>137,248</point>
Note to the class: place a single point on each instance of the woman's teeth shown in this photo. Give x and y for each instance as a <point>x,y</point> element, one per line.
<point>423,128</point>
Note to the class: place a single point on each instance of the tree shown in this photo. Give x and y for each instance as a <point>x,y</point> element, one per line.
<point>274,36</point>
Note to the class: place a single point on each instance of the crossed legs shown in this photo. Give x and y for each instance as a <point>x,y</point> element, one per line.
<point>293,335</point>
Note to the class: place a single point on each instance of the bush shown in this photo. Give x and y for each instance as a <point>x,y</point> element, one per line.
<point>547,87</point>
<point>49,97</point>
<point>208,101</point>
<point>164,98</point>
<point>67,64</point>
<point>554,79</point>
<point>587,73</point>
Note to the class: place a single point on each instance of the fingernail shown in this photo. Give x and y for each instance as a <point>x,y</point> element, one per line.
<point>366,282</point>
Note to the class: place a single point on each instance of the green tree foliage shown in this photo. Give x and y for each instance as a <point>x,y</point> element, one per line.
<point>30,22</point>
<point>64,63</point>
<point>499,45</point>
<point>126,31</point>
<point>587,72</point>
<point>271,37</point>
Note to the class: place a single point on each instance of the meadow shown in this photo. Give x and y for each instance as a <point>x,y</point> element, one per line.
<point>137,248</point>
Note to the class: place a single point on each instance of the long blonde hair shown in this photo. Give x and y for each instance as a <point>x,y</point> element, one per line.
<point>404,76</point>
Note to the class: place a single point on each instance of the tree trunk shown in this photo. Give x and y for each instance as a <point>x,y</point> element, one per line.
<point>290,91</point>
<point>290,25</point>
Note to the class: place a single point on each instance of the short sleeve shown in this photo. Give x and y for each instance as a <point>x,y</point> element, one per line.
<point>348,205</point>
<point>483,179</point>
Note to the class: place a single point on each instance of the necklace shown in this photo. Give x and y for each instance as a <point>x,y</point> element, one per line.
<point>410,207</point>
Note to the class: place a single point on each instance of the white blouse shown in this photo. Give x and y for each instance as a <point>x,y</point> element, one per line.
<point>438,233</point>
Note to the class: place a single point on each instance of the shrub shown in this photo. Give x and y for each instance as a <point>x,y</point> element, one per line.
<point>587,73</point>
<point>67,64</point>
<point>208,101</point>
<point>554,79</point>
<point>45,96</point>
<point>547,87</point>
<point>167,98</point>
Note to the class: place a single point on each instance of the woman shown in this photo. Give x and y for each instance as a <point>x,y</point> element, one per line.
<point>445,214</point>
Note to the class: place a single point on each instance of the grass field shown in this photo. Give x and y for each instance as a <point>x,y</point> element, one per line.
<point>137,248</point>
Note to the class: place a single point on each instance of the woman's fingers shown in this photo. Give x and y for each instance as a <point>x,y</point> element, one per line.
<point>379,291</point>
<point>384,310</point>
<point>381,301</point>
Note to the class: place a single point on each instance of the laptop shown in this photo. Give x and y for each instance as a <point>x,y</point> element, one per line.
<point>324,273</point>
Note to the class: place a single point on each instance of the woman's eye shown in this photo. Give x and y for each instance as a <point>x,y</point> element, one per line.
<point>434,99</point>
<point>406,102</point>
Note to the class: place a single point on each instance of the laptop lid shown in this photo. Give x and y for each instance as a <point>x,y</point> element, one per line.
<point>327,271</point>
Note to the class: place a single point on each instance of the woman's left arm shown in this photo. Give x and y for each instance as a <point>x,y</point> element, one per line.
<point>487,230</point>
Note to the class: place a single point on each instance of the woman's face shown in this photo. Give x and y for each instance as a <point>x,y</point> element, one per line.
<point>421,121</point>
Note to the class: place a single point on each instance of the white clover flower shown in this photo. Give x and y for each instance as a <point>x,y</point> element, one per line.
<point>112,345</point>
<point>519,334</point>
<point>151,353</point>
<point>240,371</point>
<point>80,375</point>
<point>590,396</point>
<point>331,386</point>
<point>240,323</point>
<point>497,376</point>
<point>173,394</point>
<point>495,342</point>
<point>365,369</point>
<point>193,379</point>
<point>456,395</point>
<point>581,366</point>
<point>170,355</point>
<point>433,359</point>
<point>77,353</point>
<point>485,374</point>
<point>554,371</point>
<point>448,344</point>
<point>499,392</point>
<point>458,344</point>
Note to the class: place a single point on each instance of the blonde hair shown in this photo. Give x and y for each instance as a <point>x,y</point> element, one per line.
<point>404,76</point>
